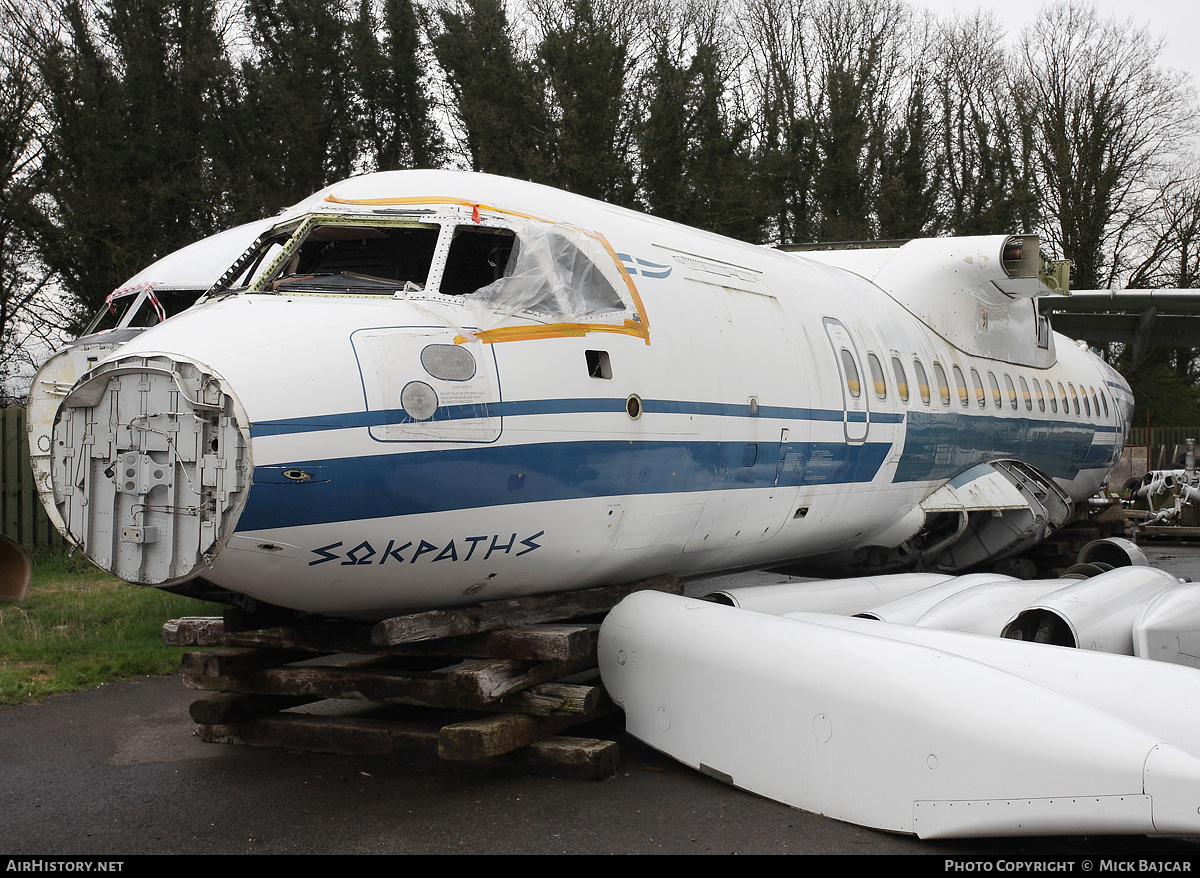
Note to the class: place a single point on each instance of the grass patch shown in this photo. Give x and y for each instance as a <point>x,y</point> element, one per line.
<point>80,627</point>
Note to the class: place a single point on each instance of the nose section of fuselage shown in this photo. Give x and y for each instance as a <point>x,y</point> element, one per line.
<point>150,466</point>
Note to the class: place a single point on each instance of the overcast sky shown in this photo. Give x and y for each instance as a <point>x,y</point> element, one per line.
<point>1177,22</point>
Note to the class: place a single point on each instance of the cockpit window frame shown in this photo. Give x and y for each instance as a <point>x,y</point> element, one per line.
<point>313,221</point>
<point>632,321</point>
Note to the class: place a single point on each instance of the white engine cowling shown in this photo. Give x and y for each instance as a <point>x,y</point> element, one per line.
<point>908,609</point>
<point>1113,551</point>
<point>986,608</point>
<point>1097,613</point>
<point>1168,628</point>
<point>837,596</point>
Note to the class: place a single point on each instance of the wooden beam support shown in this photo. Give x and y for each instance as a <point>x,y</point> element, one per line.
<point>480,682</point>
<point>495,683</point>
<point>360,684</point>
<point>347,736</point>
<point>228,707</point>
<point>224,660</point>
<point>558,756</point>
<point>530,642</point>
<point>428,689</point>
<point>322,637</point>
<point>493,615</point>
<point>478,739</point>
<point>567,757</point>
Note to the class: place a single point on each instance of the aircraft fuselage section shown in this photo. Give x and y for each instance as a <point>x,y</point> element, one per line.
<point>712,406</point>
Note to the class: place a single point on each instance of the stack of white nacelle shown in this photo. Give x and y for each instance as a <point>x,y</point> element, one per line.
<point>907,729</point>
<point>871,700</point>
<point>1127,610</point>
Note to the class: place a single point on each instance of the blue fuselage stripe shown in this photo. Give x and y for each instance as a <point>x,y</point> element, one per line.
<point>937,445</point>
<point>348,420</point>
<point>941,445</point>
<point>349,489</point>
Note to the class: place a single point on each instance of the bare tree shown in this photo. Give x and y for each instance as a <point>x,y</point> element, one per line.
<point>497,103</point>
<point>1109,121</point>
<point>984,143</point>
<point>772,91</point>
<point>911,168</point>
<point>1171,245</point>
<point>26,296</point>
<point>853,61</point>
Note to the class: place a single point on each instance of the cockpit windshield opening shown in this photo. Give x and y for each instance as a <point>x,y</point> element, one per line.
<point>543,271</point>
<point>478,256</point>
<point>548,269</point>
<point>141,308</point>
<point>357,259</point>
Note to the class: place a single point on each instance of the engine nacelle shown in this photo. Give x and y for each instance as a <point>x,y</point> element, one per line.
<point>986,608</point>
<point>16,570</point>
<point>835,596</point>
<point>1097,613</point>
<point>908,609</point>
<point>1113,551</point>
<point>1168,629</point>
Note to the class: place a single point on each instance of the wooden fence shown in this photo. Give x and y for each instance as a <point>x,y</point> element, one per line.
<point>1159,448</point>
<point>1160,436</point>
<point>22,517</point>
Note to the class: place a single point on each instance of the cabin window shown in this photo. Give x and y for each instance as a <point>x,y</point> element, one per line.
<point>851,370</point>
<point>901,378</point>
<point>1074,397</point>
<point>943,385</point>
<point>1104,399</point>
<point>1095,401</point>
<point>1037,389</point>
<point>1012,392</point>
<point>978,382</point>
<point>995,387</point>
<point>961,383</point>
<point>922,380</point>
<point>877,376</point>
<point>1062,398</point>
<point>360,260</point>
<point>1087,406</point>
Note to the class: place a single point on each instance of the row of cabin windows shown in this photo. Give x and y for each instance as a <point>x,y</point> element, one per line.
<point>1085,400</point>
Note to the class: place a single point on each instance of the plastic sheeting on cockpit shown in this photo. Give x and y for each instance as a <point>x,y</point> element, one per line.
<point>554,272</point>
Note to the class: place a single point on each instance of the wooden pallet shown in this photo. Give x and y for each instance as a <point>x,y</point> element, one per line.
<point>496,683</point>
<point>1166,532</point>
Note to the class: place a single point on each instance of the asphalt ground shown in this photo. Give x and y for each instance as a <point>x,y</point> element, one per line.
<point>118,772</point>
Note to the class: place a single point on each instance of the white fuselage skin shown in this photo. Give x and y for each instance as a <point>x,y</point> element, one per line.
<point>741,453</point>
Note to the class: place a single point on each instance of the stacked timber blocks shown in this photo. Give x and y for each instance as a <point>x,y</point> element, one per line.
<point>496,683</point>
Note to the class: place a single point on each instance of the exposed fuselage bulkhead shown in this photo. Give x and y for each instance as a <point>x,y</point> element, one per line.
<point>391,439</point>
